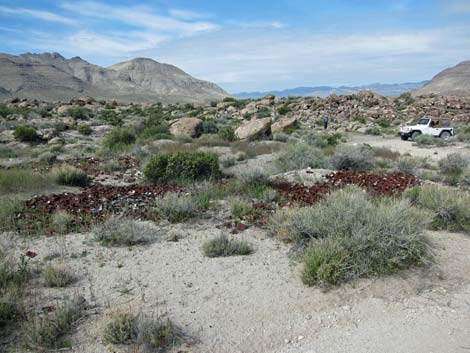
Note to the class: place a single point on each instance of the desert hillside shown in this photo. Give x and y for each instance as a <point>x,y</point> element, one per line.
<point>52,77</point>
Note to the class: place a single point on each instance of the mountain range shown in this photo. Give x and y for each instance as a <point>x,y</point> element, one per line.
<point>391,90</point>
<point>51,77</point>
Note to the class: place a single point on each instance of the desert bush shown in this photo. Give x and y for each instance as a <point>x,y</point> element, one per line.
<point>406,165</point>
<point>299,155</point>
<point>386,153</point>
<point>428,140</point>
<point>85,129</point>
<point>281,137</point>
<point>62,222</point>
<point>46,331</point>
<point>228,161</point>
<point>117,231</point>
<point>70,176</point>
<point>322,140</point>
<point>26,134</point>
<point>373,131</point>
<point>453,167</point>
<point>283,110</point>
<point>450,207</point>
<point>227,133</point>
<point>48,157</point>
<point>209,127</point>
<point>349,235</point>
<point>152,334</point>
<point>157,132</point>
<point>253,183</point>
<point>224,246</point>
<point>57,276</point>
<point>110,116</point>
<point>118,138</point>
<point>79,113</point>
<point>22,180</point>
<point>176,207</point>
<point>353,158</point>
<point>181,166</point>
<point>240,208</point>
<point>7,152</point>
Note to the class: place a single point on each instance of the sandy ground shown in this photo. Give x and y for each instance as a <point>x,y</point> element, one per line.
<point>258,303</point>
<point>396,144</point>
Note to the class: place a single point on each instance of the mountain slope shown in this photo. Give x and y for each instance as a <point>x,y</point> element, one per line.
<point>51,77</point>
<point>391,90</point>
<point>454,81</point>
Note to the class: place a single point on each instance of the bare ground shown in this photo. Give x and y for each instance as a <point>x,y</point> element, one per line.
<point>258,303</point>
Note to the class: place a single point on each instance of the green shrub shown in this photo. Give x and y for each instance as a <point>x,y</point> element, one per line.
<point>181,166</point>
<point>315,139</point>
<point>57,276</point>
<point>117,231</point>
<point>428,140</point>
<point>85,129</point>
<point>62,222</point>
<point>349,235</point>
<point>70,176</point>
<point>209,127</point>
<point>281,137</point>
<point>373,131</point>
<point>283,110</point>
<point>352,158</point>
<point>118,138</point>
<point>223,246</point>
<point>227,133</point>
<point>228,161</point>
<point>407,165</point>
<point>110,116</point>
<point>299,155</point>
<point>453,166</point>
<point>450,207</point>
<point>46,331</point>
<point>79,113</point>
<point>151,334</point>
<point>176,207</point>
<point>254,183</point>
<point>26,134</point>
<point>240,208</point>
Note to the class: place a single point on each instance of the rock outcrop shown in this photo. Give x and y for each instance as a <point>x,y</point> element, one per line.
<point>190,127</point>
<point>255,129</point>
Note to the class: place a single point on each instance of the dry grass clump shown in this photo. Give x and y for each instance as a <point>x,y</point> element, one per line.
<point>224,246</point>
<point>49,331</point>
<point>299,155</point>
<point>177,207</point>
<point>151,334</point>
<point>450,207</point>
<point>117,231</point>
<point>358,158</point>
<point>70,176</point>
<point>350,235</point>
<point>17,180</point>
<point>58,276</point>
<point>240,208</point>
<point>453,167</point>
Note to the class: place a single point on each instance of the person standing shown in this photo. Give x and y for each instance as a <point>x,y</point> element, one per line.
<point>325,121</point>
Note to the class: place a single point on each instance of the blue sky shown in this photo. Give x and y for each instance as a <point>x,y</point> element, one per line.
<point>251,45</point>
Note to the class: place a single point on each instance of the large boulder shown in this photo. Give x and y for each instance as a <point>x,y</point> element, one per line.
<point>283,124</point>
<point>191,127</point>
<point>255,129</point>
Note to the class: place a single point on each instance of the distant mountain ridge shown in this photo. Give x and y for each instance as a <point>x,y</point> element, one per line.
<point>51,77</point>
<point>391,90</point>
<point>454,81</point>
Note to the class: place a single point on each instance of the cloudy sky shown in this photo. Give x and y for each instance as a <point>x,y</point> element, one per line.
<point>251,45</point>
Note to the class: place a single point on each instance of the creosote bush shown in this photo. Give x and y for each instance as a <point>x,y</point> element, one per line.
<point>358,158</point>
<point>350,235</point>
<point>85,129</point>
<point>117,231</point>
<point>450,207</point>
<point>118,138</point>
<point>26,134</point>
<point>181,166</point>
<point>70,176</point>
<point>224,246</point>
<point>151,334</point>
<point>299,155</point>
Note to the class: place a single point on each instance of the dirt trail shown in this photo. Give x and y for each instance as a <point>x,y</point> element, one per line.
<point>396,144</point>
<point>258,303</point>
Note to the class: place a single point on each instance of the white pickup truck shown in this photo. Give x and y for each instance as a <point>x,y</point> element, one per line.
<point>427,126</point>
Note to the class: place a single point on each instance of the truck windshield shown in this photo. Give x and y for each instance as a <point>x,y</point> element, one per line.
<point>423,122</point>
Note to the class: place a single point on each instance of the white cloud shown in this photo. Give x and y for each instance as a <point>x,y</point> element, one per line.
<point>187,14</point>
<point>141,17</point>
<point>42,15</point>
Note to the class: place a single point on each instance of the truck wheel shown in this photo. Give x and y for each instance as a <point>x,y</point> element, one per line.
<point>415,134</point>
<point>404,138</point>
<point>445,135</point>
